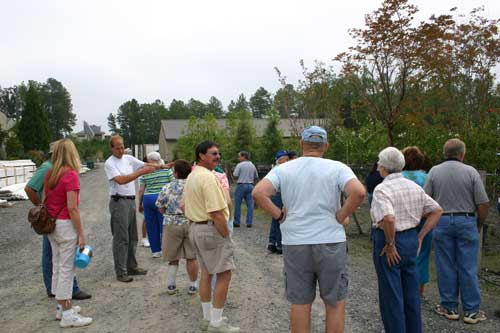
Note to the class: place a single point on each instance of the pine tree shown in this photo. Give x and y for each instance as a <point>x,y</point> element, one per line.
<point>245,132</point>
<point>33,131</point>
<point>272,139</point>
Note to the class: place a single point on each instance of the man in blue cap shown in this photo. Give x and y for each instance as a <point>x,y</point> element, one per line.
<point>274,245</point>
<point>312,225</point>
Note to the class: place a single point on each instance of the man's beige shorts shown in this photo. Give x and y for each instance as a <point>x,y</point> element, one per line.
<point>176,243</point>
<point>214,252</point>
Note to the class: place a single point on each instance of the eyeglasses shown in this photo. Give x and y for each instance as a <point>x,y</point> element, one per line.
<point>215,153</point>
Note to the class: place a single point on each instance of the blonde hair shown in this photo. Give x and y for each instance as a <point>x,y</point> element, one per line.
<point>64,157</point>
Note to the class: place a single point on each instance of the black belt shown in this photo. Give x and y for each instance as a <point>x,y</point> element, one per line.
<point>203,222</point>
<point>459,214</point>
<point>117,197</point>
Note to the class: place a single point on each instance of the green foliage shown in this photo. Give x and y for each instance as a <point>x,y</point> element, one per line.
<point>92,150</point>
<point>241,105</point>
<point>56,102</point>
<point>271,141</point>
<point>13,147</point>
<point>260,103</point>
<point>245,134</point>
<point>199,130</point>
<point>112,124</point>
<point>33,129</point>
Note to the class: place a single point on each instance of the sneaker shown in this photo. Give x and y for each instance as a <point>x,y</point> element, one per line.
<point>124,278</point>
<point>192,290</point>
<point>222,327</point>
<point>204,324</point>
<point>81,295</point>
<point>449,314</point>
<point>236,225</point>
<point>145,243</point>
<point>279,250</point>
<point>137,271</point>
<point>156,255</point>
<point>75,308</point>
<point>172,289</point>
<point>249,225</point>
<point>75,320</point>
<point>271,248</point>
<point>474,317</point>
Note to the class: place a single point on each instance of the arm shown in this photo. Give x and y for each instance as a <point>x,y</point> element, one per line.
<point>390,251</point>
<point>32,195</point>
<point>482,213</point>
<point>74,213</point>
<point>141,196</point>
<point>122,180</point>
<point>432,220</point>
<point>262,194</point>
<point>355,192</point>
<point>220,222</point>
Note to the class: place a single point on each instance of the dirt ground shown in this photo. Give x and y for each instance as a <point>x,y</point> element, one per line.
<point>255,303</point>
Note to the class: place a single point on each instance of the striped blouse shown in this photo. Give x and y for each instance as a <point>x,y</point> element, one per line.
<point>154,181</point>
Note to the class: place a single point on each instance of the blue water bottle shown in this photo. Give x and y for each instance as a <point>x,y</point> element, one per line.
<point>82,258</point>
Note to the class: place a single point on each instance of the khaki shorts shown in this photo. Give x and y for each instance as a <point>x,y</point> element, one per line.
<point>176,243</point>
<point>214,252</point>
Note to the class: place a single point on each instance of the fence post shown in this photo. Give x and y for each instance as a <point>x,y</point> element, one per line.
<point>482,174</point>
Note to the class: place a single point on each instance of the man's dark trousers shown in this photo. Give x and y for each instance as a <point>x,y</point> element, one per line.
<point>399,299</point>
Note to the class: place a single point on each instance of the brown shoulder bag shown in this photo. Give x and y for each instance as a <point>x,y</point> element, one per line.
<point>39,217</point>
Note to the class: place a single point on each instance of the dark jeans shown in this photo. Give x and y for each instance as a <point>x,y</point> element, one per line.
<point>47,267</point>
<point>275,231</point>
<point>124,231</point>
<point>243,191</point>
<point>398,285</point>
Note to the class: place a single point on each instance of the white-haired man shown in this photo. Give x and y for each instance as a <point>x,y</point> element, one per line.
<point>397,208</point>
<point>314,240</point>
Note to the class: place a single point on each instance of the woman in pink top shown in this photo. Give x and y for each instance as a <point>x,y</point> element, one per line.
<point>62,190</point>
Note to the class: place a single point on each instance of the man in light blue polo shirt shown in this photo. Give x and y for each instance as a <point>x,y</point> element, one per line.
<point>312,225</point>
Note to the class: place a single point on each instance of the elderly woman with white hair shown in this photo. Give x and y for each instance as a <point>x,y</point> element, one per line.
<point>150,186</point>
<point>397,208</point>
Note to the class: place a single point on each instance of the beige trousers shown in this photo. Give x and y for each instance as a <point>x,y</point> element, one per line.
<point>63,242</point>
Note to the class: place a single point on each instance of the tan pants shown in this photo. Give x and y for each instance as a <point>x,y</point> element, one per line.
<point>63,242</point>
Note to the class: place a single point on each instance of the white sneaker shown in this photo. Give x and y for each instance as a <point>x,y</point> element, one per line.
<point>204,324</point>
<point>75,320</point>
<point>75,308</point>
<point>145,242</point>
<point>223,327</point>
<point>156,255</point>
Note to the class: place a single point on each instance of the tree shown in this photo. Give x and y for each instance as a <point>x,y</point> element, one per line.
<point>196,108</point>
<point>33,131</point>
<point>260,103</point>
<point>56,102</point>
<point>272,140</point>
<point>214,106</point>
<point>11,101</point>
<point>129,118</point>
<point>178,110</point>
<point>113,127</point>
<point>386,56</point>
<point>241,105</point>
<point>152,113</point>
<point>245,133</point>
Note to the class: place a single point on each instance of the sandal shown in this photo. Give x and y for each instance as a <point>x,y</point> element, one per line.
<point>449,314</point>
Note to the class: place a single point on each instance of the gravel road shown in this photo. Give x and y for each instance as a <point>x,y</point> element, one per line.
<point>255,303</point>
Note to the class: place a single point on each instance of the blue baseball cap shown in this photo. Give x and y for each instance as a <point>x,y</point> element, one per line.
<point>280,154</point>
<point>314,134</point>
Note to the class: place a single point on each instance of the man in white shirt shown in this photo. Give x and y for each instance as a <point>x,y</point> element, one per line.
<point>312,225</point>
<point>121,171</point>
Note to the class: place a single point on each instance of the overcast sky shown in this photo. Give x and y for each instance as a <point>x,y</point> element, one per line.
<point>107,52</point>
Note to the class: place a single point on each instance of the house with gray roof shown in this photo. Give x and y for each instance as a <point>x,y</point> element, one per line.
<point>171,130</point>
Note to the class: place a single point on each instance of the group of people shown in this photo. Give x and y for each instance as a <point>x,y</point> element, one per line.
<point>187,213</point>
